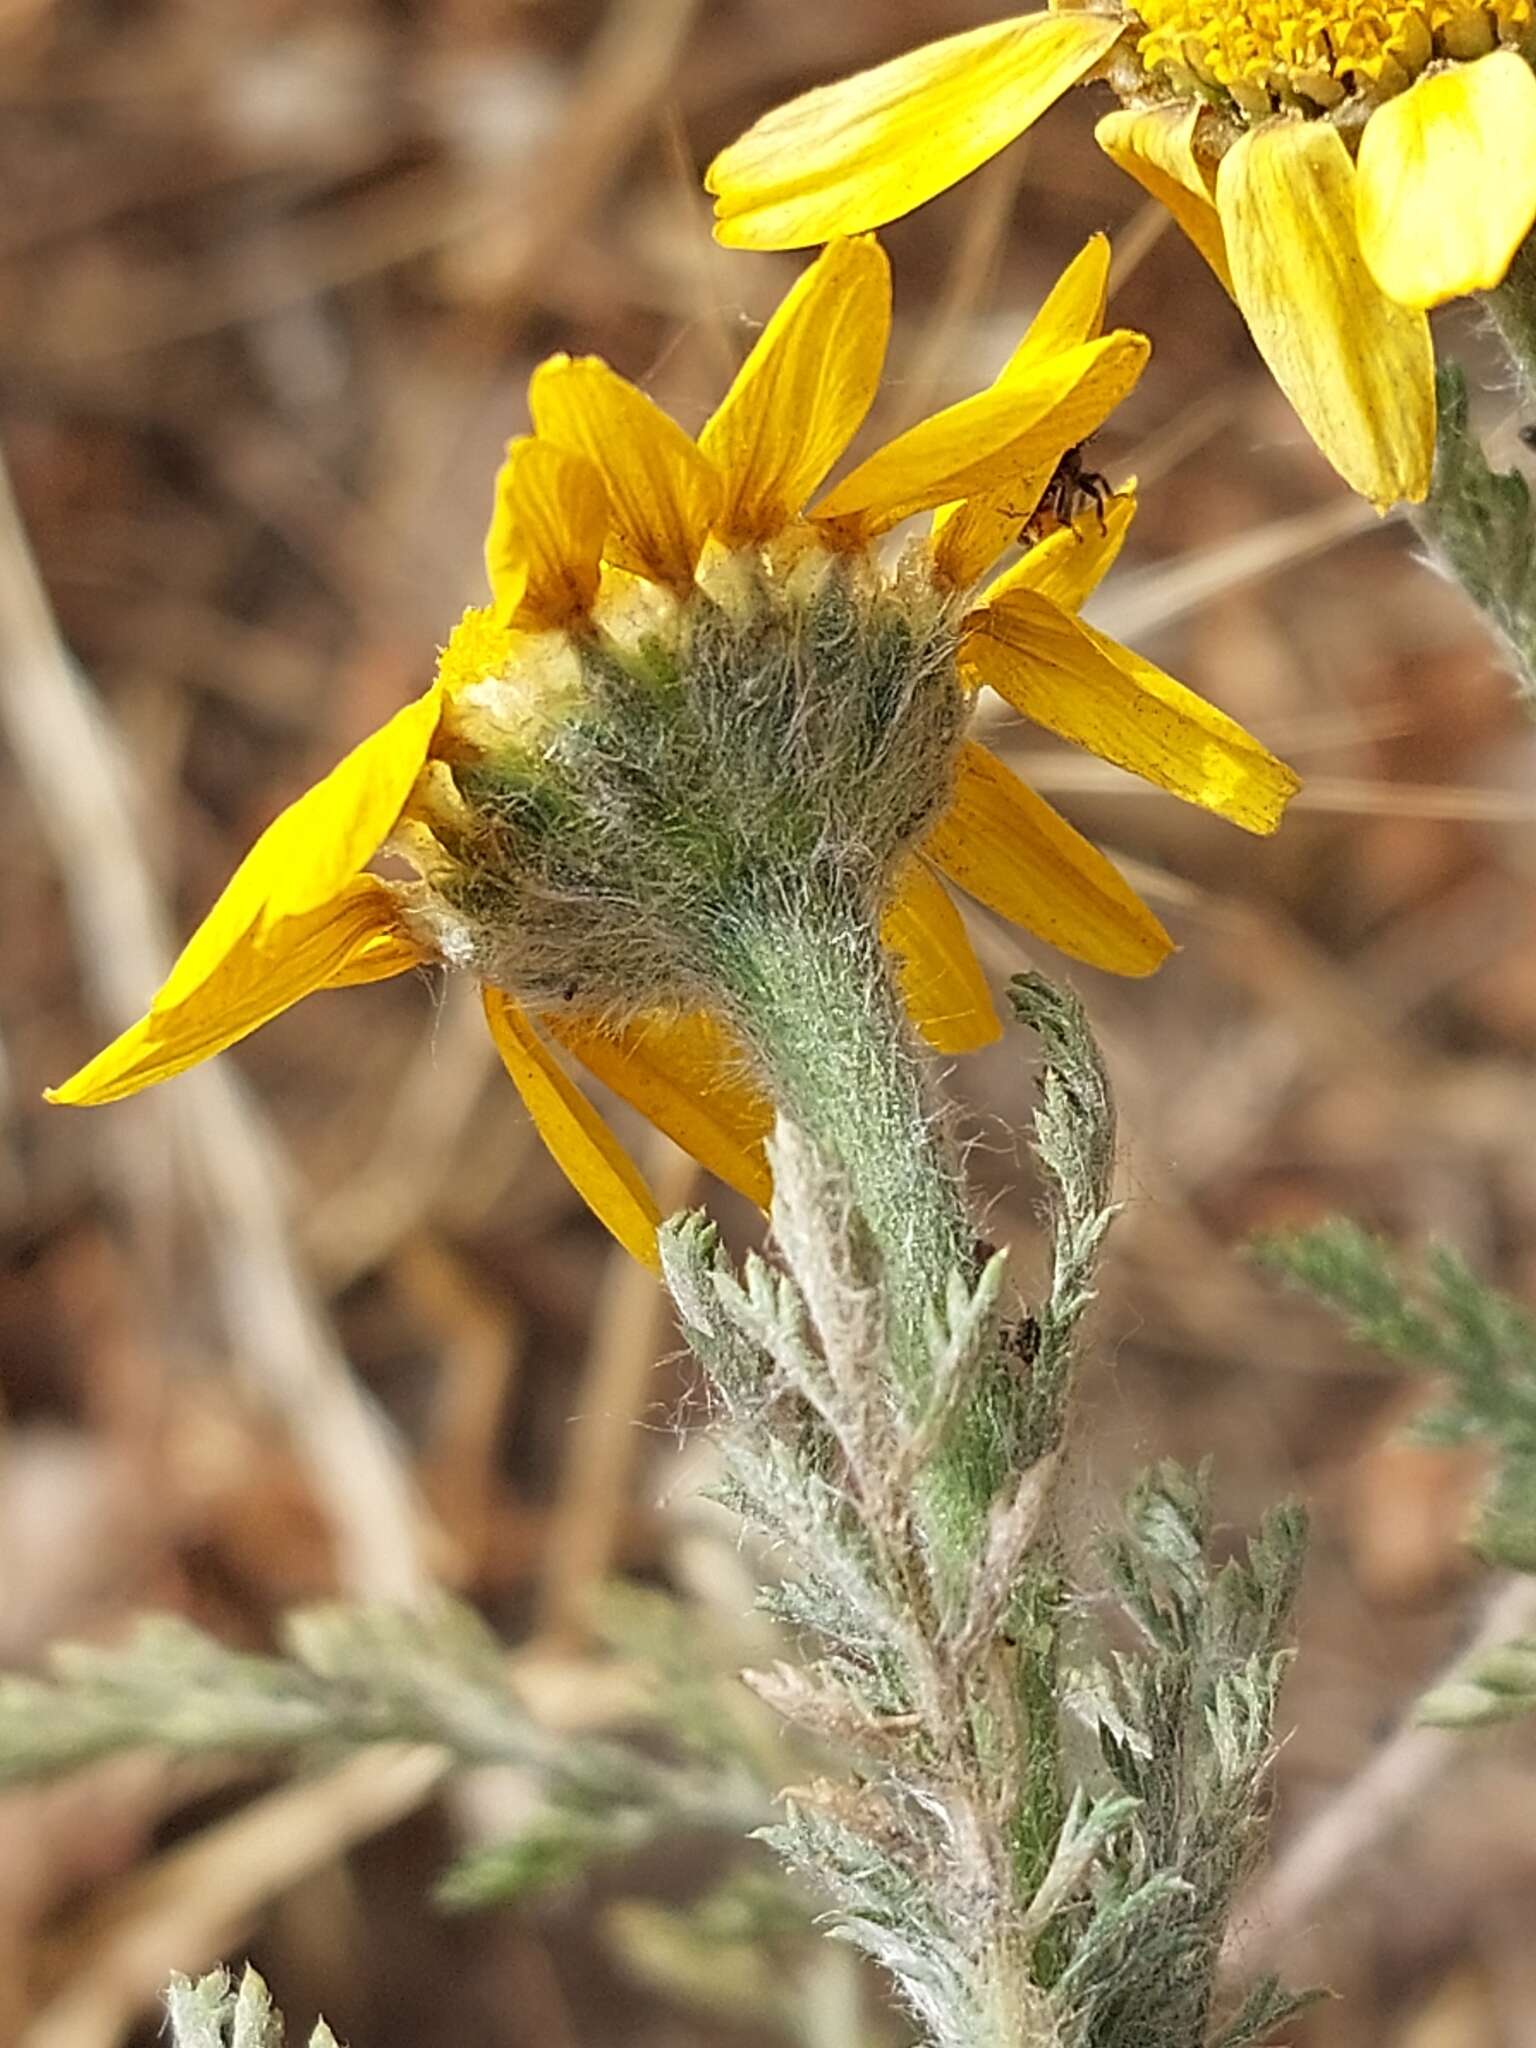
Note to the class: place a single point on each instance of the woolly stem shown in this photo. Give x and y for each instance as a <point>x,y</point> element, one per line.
<point>819,1005</point>
<point>816,999</point>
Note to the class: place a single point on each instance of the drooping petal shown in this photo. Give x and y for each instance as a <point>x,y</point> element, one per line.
<point>689,1078</point>
<point>941,981</point>
<point>1157,147</point>
<point>1446,180</point>
<point>581,1144</point>
<point>544,551</point>
<point>870,148</point>
<point>1357,366</point>
<point>310,851</point>
<point>1070,564</point>
<point>803,392</point>
<point>296,915</point>
<point>1006,847</point>
<point>1085,687</point>
<point>356,938</point>
<point>663,496</point>
<point>986,442</point>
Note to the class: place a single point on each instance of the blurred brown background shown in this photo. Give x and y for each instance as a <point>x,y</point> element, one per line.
<point>272,278</point>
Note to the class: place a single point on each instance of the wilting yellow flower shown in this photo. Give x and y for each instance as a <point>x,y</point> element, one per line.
<point>1341,165</point>
<point>544,787</point>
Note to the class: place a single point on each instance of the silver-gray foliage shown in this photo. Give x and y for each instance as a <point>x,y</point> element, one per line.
<point>1041,1848</point>
<point>356,1675</point>
<point>215,2012</point>
<point>1479,1346</point>
<point>1030,1800</point>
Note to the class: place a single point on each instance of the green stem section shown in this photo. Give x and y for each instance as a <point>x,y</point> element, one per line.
<point>816,995</point>
<point>1479,522</point>
<point>1513,306</point>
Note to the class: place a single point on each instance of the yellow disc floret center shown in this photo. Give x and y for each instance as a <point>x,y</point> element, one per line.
<point>1268,54</point>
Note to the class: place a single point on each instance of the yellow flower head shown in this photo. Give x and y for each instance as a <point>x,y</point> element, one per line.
<point>698,684</point>
<point>1342,164</point>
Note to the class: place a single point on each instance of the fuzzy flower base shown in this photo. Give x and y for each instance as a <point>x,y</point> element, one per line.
<point>704,702</point>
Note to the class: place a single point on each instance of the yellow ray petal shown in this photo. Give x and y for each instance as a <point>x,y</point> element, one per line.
<point>1099,695</point>
<point>1357,367</point>
<point>856,154</point>
<point>986,442</point>
<point>1007,848</point>
<point>581,1144</point>
<point>941,981</point>
<point>311,851</point>
<point>1071,313</point>
<point>1157,148</point>
<point>663,496</point>
<point>544,552</point>
<point>1070,564</point>
<point>1446,185</point>
<point>689,1077</point>
<point>356,938</point>
<point>969,537</point>
<point>803,392</point>
<point>389,951</point>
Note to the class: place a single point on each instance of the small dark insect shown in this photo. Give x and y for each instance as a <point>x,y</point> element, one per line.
<point>1072,489</point>
<point>1020,1346</point>
<point>1025,1340</point>
<point>1528,435</point>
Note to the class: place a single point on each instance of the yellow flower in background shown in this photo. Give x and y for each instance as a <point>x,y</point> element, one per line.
<point>576,847</point>
<point>1342,165</point>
